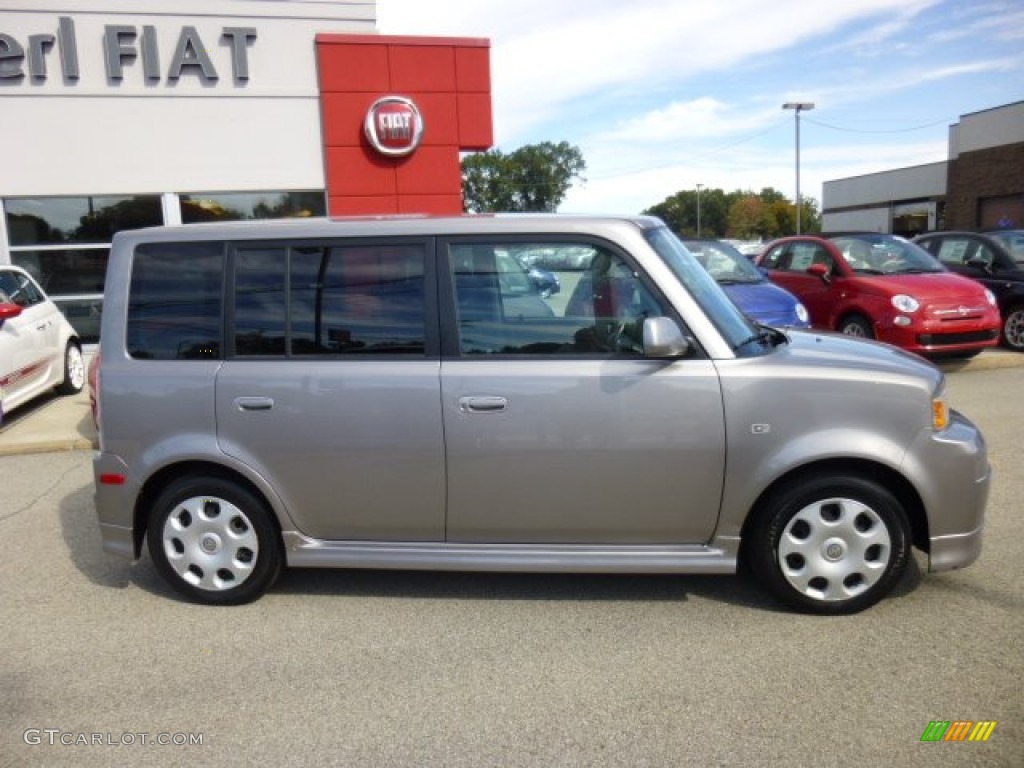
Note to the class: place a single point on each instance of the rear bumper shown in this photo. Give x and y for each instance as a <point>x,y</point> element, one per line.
<point>115,504</point>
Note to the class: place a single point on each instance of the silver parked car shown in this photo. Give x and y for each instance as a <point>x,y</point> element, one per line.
<point>382,394</point>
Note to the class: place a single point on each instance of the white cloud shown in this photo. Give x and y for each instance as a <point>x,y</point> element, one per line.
<point>662,94</point>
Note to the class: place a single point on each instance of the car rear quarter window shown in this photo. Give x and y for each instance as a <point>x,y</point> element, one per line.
<point>175,301</point>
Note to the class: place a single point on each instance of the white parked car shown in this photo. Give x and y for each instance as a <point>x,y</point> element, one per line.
<point>39,350</point>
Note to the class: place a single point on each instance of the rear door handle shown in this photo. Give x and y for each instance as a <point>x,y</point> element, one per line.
<point>482,404</point>
<point>254,403</point>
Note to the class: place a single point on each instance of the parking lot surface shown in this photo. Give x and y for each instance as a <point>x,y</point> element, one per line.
<point>100,663</point>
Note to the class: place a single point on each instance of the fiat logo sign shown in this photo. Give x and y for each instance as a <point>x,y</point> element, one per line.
<point>394,126</point>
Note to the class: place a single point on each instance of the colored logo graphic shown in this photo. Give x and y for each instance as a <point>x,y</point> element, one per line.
<point>958,730</point>
<point>394,126</point>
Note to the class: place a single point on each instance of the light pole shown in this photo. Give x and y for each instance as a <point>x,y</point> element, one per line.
<point>798,107</point>
<point>698,209</point>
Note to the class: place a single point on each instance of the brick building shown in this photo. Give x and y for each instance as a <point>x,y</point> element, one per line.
<point>979,186</point>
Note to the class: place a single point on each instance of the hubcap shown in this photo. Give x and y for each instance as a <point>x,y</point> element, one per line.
<point>210,543</point>
<point>854,329</point>
<point>76,367</point>
<point>834,549</point>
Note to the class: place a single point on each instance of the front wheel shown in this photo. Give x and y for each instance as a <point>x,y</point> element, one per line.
<point>858,326</point>
<point>214,541</point>
<point>829,545</point>
<point>1013,328</point>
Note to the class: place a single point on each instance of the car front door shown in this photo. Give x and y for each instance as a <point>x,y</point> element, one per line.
<point>787,266</point>
<point>557,429</point>
<point>970,257</point>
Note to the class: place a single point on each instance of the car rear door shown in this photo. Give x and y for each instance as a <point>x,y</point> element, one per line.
<point>557,429</point>
<point>331,385</point>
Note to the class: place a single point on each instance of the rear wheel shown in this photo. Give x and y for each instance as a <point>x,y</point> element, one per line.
<point>1013,328</point>
<point>74,370</point>
<point>829,545</point>
<point>214,541</point>
<point>857,325</point>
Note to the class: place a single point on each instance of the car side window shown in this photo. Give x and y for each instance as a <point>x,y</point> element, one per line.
<point>952,251</point>
<point>774,259</point>
<point>984,253</point>
<point>803,255</point>
<point>174,303</point>
<point>599,312</point>
<point>330,300</point>
<point>16,288</point>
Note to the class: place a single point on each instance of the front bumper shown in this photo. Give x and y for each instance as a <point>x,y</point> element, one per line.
<point>951,471</point>
<point>948,553</point>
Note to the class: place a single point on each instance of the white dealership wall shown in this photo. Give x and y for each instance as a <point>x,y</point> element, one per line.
<point>870,201</point>
<point>97,135</point>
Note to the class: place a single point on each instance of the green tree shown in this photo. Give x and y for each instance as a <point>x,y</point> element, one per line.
<point>747,217</point>
<point>534,177</point>
<point>810,216</point>
<point>742,214</point>
<point>680,212</point>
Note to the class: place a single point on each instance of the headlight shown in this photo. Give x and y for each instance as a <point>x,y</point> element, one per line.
<point>940,409</point>
<point>990,296</point>
<point>905,303</point>
<point>801,313</point>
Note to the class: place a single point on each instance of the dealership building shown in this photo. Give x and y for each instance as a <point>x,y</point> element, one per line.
<point>979,186</point>
<point>120,114</point>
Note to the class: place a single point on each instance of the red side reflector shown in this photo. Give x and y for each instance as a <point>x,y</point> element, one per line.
<point>112,479</point>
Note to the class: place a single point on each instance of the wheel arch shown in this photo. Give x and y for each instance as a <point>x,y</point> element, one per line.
<point>854,311</point>
<point>888,478</point>
<point>163,477</point>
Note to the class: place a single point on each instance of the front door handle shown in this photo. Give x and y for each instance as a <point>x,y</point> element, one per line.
<point>254,403</point>
<point>482,404</point>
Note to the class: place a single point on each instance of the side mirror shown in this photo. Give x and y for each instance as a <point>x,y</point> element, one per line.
<point>662,338</point>
<point>979,263</point>
<point>820,271</point>
<point>8,310</point>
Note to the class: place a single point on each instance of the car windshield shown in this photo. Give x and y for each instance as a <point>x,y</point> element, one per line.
<point>719,308</point>
<point>1013,241</point>
<point>726,264</point>
<point>885,255</point>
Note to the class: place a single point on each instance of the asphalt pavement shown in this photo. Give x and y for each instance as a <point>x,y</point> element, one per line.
<point>102,665</point>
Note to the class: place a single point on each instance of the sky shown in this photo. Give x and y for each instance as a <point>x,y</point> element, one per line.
<point>663,95</point>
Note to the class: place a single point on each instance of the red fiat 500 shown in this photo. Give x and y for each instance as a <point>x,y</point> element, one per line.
<point>885,287</point>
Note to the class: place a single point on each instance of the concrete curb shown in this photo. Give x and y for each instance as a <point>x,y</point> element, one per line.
<point>47,446</point>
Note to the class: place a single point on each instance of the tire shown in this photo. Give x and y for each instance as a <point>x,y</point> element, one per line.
<point>858,326</point>
<point>74,371</point>
<point>1013,328</point>
<point>214,541</point>
<point>829,545</point>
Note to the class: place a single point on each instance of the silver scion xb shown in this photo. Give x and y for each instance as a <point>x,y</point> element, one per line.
<point>396,393</point>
